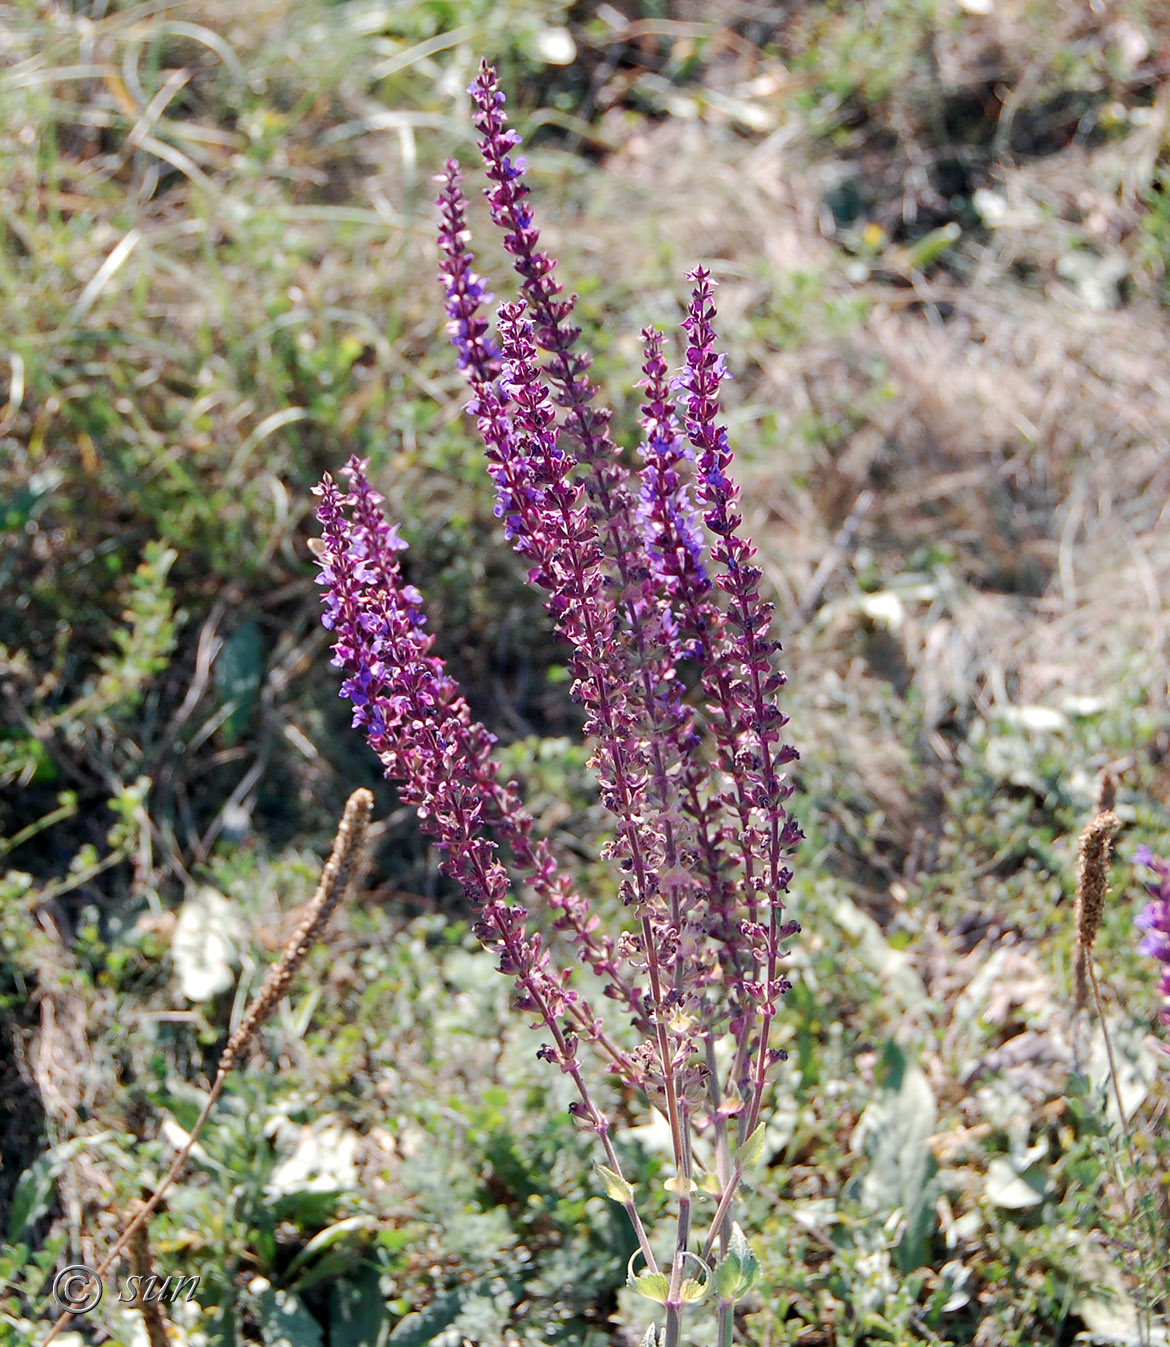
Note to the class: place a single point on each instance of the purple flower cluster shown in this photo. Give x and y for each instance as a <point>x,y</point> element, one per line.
<point>647,577</point>
<point>422,730</point>
<point>1154,919</point>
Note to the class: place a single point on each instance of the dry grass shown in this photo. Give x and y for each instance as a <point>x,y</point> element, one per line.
<point>1022,432</point>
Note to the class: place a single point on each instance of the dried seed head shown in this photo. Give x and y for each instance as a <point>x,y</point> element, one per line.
<point>1093,853</point>
<point>1106,791</point>
<point>341,867</point>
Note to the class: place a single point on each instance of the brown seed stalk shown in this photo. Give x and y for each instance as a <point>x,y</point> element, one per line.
<point>1093,854</point>
<point>342,866</point>
<point>348,849</point>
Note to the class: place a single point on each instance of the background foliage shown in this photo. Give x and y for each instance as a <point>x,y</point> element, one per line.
<point>941,231</point>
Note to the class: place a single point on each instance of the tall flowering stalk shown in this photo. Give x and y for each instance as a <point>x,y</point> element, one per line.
<point>646,575</point>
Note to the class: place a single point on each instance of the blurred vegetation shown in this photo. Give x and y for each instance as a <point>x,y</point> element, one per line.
<point>942,235</point>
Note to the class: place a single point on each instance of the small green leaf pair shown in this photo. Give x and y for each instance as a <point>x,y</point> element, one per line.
<point>656,1285</point>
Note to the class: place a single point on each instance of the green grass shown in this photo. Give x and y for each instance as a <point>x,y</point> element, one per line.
<point>216,263</point>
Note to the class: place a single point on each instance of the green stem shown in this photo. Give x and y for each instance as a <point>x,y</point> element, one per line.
<point>726,1322</point>
<point>722,1142</point>
<point>64,811</point>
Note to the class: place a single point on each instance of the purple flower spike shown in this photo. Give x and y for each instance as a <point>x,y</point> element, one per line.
<point>550,314</point>
<point>1154,919</point>
<point>466,293</point>
<point>741,681</point>
<point>422,730</point>
<point>669,527</point>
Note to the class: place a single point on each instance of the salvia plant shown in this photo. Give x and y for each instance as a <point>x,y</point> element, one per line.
<point>651,583</point>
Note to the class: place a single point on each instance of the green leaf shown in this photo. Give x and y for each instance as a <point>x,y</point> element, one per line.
<point>751,1152</point>
<point>33,1197</point>
<point>616,1188</point>
<point>653,1285</point>
<point>34,1190</point>
<point>737,1245</point>
<point>284,1321</point>
<point>727,1276</point>
<point>423,1326</point>
<point>930,248</point>
<point>651,1337</point>
<point>357,1315</point>
<point>325,1239</point>
<point>736,1274</point>
<point>892,1133</point>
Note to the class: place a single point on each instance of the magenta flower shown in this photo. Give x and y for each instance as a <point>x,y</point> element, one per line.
<point>1154,919</point>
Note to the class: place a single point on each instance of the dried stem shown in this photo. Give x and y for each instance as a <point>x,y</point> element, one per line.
<point>340,870</point>
<point>141,1266</point>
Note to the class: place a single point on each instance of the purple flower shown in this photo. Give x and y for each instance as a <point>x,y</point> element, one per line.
<point>1154,919</point>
